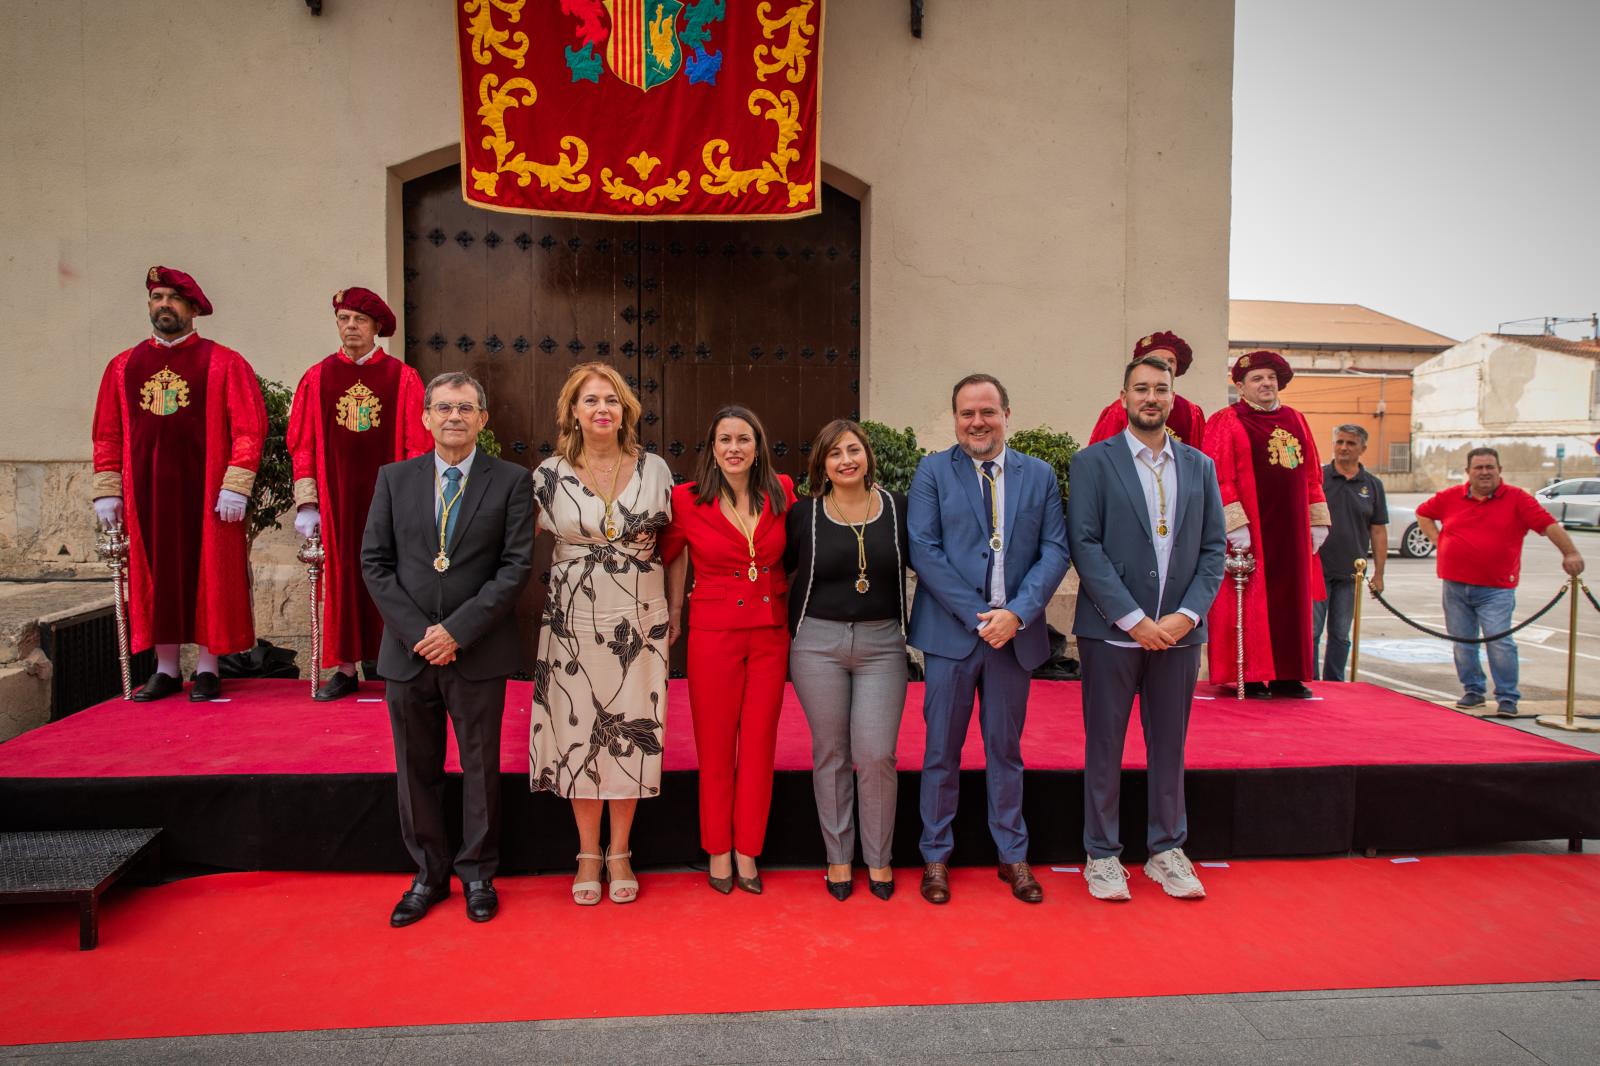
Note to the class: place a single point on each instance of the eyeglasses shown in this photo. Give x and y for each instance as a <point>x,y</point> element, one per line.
<point>467,410</point>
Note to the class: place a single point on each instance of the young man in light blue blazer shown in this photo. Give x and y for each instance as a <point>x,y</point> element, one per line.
<point>1144,519</point>
<point>989,545</point>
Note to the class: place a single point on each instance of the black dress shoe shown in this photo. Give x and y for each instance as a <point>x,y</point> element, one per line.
<point>1291,689</point>
<point>882,889</point>
<point>839,890</point>
<point>482,900</point>
<point>721,884</point>
<point>159,687</point>
<point>415,903</point>
<point>1257,690</point>
<point>206,687</point>
<point>337,687</point>
<point>369,670</point>
<point>751,885</point>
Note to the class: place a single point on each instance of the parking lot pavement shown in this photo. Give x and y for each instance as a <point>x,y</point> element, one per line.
<point>1399,657</point>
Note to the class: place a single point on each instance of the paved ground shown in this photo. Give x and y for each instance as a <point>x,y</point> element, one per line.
<point>1490,1025</point>
<point>1395,655</point>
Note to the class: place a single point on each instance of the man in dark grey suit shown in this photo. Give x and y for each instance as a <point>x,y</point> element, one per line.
<point>1144,519</point>
<point>447,550</point>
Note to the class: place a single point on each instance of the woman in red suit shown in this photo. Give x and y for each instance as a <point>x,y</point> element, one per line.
<point>731,521</point>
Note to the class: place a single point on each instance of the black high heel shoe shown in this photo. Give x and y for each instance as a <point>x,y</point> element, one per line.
<point>839,890</point>
<point>721,884</point>
<point>882,889</point>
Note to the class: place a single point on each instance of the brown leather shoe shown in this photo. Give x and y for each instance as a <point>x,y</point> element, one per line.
<point>936,882</point>
<point>1024,885</point>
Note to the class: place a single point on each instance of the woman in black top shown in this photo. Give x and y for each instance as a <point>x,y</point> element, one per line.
<point>846,558</point>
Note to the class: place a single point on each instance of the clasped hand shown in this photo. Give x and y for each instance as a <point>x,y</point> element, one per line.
<point>436,646</point>
<point>1159,636</point>
<point>1000,625</point>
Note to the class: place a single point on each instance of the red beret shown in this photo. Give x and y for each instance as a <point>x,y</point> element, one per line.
<point>367,303</point>
<point>183,284</point>
<point>1257,360</point>
<point>1165,341</point>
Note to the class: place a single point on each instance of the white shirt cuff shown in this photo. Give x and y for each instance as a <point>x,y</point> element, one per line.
<point>1193,618</point>
<point>1131,619</point>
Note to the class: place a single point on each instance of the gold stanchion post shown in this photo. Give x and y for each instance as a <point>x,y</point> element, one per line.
<point>1570,722</point>
<point>1355,621</point>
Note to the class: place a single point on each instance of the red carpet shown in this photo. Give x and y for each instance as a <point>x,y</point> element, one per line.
<point>273,727</point>
<point>264,952</point>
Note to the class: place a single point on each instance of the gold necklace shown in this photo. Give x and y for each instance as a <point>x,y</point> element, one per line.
<point>862,584</point>
<point>1161,493</point>
<point>749,537</point>
<point>610,527</point>
<point>995,542</point>
<point>441,562</point>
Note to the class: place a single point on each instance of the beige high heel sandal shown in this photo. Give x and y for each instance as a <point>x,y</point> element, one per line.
<point>587,886</point>
<point>625,884</point>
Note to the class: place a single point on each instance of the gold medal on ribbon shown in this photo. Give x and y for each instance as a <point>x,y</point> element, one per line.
<point>753,572</point>
<point>862,585</point>
<point>994,542</point>
<point>441,562</point>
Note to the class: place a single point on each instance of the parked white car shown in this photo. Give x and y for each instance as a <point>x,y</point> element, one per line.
<point>1573,502</point>
<point>1405,536</point>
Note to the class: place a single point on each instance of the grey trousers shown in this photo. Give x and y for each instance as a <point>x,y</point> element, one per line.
<point>1164,682</point>
<point>851,681</point>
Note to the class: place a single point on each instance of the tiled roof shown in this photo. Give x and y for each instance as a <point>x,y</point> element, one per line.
<point>1551,344</point>
<point>1281,323</point>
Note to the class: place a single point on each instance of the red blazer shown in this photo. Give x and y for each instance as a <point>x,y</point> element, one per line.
<point>723,596</point>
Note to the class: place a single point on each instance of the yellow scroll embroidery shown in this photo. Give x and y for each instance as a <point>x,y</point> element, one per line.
<point>164,393</point>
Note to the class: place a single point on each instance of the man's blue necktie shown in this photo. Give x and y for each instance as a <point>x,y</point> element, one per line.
<point>450,493</point>
<point>988,513</point>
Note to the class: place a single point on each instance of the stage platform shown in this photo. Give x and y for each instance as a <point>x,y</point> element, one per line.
<point>270,780</point>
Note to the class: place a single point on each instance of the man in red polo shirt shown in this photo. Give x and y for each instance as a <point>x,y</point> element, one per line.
<point>1479,529</point>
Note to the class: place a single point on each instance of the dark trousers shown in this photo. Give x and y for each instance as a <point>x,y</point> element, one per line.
<point>417,712</point>
<point>1336,613</point>
<point>1001,686</point>
<point>1164,682</point>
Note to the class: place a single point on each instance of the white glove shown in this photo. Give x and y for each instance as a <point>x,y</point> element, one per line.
<point>1319,536</point>
<point>1240,538</point>
<point>307,521</point>
<point>230,505</point>
<point>108,509</point>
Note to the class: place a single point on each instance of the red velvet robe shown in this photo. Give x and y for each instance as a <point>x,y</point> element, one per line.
<point>1280,500</point>
<point>336,454</point>
<point>1186,423</point>
<point>167,445</point>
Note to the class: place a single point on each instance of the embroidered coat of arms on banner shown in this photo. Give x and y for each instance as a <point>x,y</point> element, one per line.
<point>653,108</point>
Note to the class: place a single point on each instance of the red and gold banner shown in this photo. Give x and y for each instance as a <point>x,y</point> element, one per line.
<point>661,108</point>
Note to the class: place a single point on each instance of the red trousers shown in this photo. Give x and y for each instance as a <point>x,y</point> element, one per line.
<point>736,679</point>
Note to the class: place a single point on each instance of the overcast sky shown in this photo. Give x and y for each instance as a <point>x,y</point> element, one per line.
<point>1436,160</point>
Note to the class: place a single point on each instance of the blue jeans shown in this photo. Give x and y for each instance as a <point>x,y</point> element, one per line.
<point>1475,611</point>
<point>1336,613</point>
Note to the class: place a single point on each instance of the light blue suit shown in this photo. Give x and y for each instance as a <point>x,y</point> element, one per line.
<point>1108,526</point>
<point>949,533</point>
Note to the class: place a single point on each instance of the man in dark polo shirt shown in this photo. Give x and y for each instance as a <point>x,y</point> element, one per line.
<point>1360,516</point>
<point>1479,529</point>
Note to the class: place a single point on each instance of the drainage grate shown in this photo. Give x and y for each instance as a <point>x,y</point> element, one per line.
<point>83,658</point>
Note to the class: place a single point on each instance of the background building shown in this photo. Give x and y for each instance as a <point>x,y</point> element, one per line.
<point>1352,365</point>
<point>1528,396</point>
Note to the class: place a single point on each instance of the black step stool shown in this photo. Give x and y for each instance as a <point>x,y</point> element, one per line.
<point>70,866</point>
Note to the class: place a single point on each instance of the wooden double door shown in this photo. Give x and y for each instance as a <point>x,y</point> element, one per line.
<point>693,314</point>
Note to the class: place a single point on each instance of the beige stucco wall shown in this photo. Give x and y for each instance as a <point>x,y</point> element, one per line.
<point>1047,181</point>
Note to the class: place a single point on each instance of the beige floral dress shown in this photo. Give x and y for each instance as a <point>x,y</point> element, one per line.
<point>600,680</point>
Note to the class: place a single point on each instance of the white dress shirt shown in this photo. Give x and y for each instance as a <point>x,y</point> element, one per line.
<point>162,342</point>
<point>997,577</point>
<point>1150,466</point>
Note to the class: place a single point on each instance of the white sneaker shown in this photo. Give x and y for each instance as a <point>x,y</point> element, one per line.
<point>1173,871</point>
<point>1107,879</point>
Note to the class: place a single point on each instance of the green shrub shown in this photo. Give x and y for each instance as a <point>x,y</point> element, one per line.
<point>488,443</point>
<point>1057,449</point>
<point>274,488</point>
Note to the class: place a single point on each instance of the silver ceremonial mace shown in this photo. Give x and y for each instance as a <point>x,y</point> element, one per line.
<point>1241,564</point>
<point>112,546</point>
<point>312,554</point>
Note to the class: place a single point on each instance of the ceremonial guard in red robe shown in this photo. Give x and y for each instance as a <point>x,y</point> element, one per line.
<point>353,412</point>
<point>178,429</point>
<point>1187,423</point>
<point>1271,481</point>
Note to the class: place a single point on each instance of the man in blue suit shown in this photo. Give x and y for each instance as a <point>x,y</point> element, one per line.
<point>989,545</point>
<point>1144,519</point>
